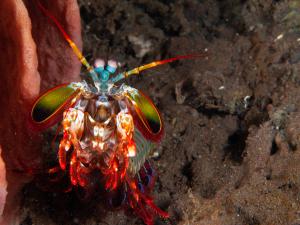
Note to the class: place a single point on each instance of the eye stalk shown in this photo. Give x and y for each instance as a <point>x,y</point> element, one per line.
<point>111,66</point>
<point>99,64</point>
<point>103,71</point>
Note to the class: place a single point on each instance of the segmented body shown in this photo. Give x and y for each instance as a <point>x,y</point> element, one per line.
<point>107,138</point>
<point>108,131</point>
<point>99,134</point>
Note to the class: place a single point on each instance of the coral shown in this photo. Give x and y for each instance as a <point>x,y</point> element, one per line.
<point>29,61</point>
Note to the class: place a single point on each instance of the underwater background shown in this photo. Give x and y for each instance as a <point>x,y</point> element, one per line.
<point>231,150</point>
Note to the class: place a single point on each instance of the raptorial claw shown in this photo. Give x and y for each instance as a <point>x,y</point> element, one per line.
<point>64,146</point>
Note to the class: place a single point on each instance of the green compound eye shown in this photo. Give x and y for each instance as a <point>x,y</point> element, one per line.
<point>147,113</point>
<point>52,102</point>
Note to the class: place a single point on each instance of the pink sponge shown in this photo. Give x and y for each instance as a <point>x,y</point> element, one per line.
<point>33,56</point>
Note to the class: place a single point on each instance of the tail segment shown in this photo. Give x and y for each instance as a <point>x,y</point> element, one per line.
<point>135,195</point>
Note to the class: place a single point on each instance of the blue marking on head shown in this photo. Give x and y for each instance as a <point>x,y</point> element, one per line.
<point>104,76</point>
<point>110,69</point>
<point>99,70</point>
<point>103,72</point>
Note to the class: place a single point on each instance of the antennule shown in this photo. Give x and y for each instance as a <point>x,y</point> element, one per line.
<point>139,69</point>
<point>75,49</point>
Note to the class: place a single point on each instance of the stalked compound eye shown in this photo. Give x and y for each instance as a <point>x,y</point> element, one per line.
<point>111,66</point>
<point>99,65</point>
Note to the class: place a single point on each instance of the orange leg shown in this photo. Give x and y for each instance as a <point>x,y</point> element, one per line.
<point>82,175</point>
<point>73,168</point>
<point>64,146</point>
